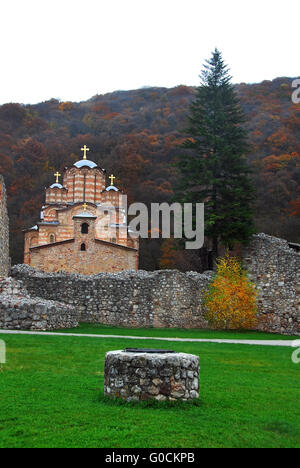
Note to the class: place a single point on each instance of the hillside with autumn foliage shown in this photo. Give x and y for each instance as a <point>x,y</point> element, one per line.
<point>137,136</point>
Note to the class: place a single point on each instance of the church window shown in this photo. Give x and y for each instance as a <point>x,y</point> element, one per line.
<point>85,228</point>
<point>83,248</point>
<point>52,238</point>
<point>34,242</point>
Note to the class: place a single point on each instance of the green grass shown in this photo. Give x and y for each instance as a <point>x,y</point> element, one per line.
<point>51,395</point>
<point>89,328</point>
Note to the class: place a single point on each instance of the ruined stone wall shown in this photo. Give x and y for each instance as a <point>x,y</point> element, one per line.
<point>4,232</point>
<point>275,268</point>
<point>169,298</point>
<point>19,311</point>
<point>133,299</point>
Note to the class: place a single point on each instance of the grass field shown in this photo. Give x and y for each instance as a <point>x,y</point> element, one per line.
<point>89,328</point>
<point>51,395</point>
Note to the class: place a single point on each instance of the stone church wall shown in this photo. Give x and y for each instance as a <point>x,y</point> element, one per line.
<point>4,233</point>
<point>99,256</point>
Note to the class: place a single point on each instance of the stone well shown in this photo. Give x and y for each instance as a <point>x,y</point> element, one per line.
<point>151,374</point>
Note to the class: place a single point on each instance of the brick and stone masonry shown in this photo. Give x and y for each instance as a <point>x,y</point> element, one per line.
<point>83,226</point>
<point>145,299</point>
<point>18,310</point>
<point>4,233</point>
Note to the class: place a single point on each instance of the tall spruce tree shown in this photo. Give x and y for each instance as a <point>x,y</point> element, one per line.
<point>214,168</point>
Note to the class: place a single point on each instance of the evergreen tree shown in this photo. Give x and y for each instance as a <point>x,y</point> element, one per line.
<point>213,168</point>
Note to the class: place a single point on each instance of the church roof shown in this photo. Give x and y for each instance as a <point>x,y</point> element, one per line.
<point>112,187</point>
<point>84,214</point>
<point>56,186</point>
<point>48,223</point>
<point>85,163</point>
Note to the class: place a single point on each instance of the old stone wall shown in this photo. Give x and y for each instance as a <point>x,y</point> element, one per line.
<point>158,299</point>
<point>169,298</point>
<point>4,232</point>
<point>19,311</point>
<point>275,268</point>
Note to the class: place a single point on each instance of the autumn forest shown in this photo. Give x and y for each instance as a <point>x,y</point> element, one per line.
<point>137,135</point>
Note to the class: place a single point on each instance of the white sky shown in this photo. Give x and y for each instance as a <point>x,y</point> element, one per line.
<point>74,49</point>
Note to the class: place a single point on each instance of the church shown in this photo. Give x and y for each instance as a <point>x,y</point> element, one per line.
<point>83,225</point>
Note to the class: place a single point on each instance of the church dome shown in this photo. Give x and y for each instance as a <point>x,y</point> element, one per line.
<point>85,163</point>
<point>56,186</point>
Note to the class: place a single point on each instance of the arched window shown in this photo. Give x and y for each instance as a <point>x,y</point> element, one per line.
<point>34,242</point>
<point>52,238</point>
<point>84,228</point>
<point>83,247</point>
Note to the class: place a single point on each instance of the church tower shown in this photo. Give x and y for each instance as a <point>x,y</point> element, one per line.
<point>83,225</point>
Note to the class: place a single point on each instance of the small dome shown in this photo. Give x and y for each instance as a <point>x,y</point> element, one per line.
<point>85,163</point>
<point>56,186</point>
<point>112,187</point>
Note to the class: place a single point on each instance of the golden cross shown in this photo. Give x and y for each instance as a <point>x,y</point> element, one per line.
<point>57,175</point>
<point>112,178</point>
<point>85,149</point>
<point>85,206</point>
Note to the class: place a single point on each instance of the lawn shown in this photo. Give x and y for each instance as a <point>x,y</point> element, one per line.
<point>51,395</point>
<point>90,328</point>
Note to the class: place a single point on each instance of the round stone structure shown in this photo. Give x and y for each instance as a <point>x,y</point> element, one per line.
<point>151,374</point>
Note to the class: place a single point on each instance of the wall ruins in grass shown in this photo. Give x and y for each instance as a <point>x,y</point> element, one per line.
<point>20,311</point>
<point>274,265</point>
<point>158,299</point>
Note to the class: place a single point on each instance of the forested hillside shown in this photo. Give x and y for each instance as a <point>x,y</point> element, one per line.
<point>136,135</point>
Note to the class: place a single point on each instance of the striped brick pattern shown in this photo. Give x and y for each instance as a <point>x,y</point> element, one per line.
<point>82,186</point>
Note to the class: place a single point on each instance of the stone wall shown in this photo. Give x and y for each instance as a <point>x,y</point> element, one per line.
<point>19,311</point>
<point>169,298</point>
<point>275,268</point>
<point>158,299</point>
<point>4,232</point>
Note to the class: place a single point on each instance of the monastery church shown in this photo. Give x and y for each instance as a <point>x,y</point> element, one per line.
<point>83,225</point>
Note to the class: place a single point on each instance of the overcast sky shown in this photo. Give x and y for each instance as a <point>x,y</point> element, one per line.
<point>74,49</point>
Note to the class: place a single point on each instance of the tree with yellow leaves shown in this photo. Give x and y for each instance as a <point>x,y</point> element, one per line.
<point>231,299</point>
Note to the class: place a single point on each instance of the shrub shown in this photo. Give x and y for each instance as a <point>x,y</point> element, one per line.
<point>231,299</point>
